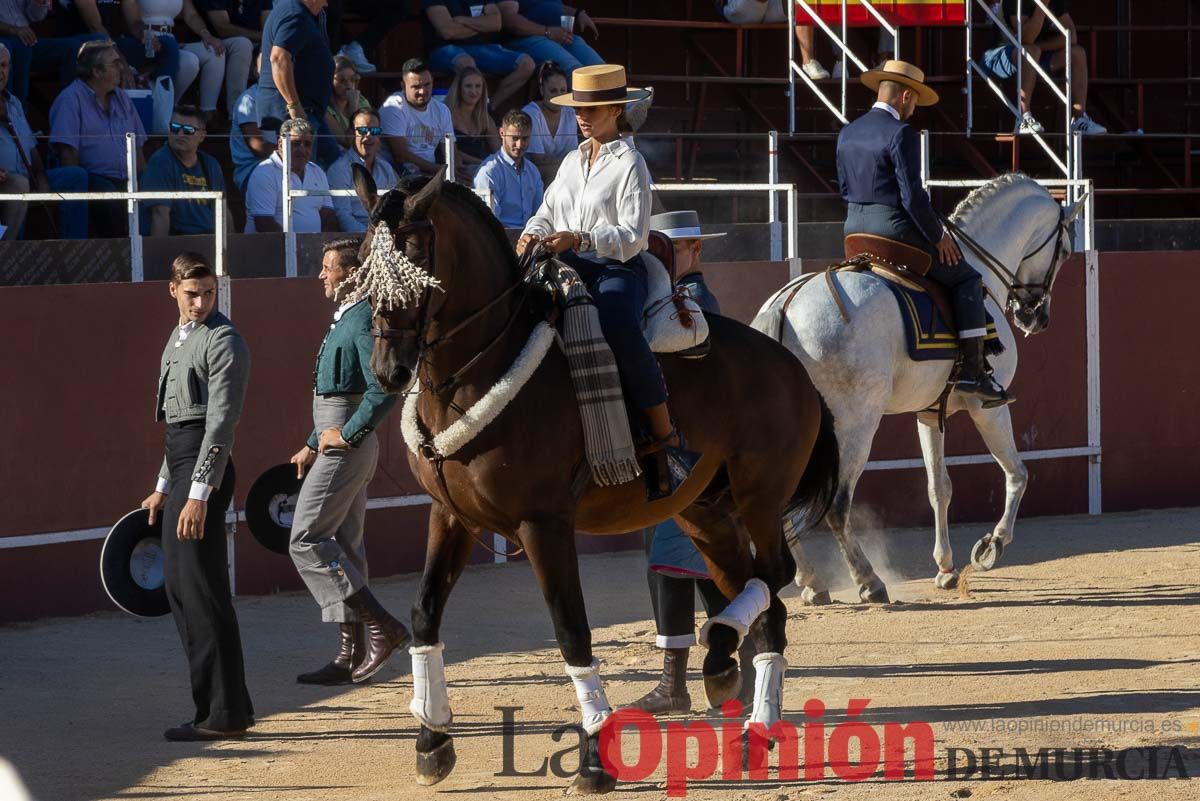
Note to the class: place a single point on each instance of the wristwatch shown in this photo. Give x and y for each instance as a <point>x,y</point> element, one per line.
<point>585,242</point>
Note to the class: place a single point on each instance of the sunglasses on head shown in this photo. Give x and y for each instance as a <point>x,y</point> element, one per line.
<point>364,130</point>
<point>183,128</point>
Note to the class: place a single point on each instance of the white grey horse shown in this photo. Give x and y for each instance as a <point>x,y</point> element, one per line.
<point>1017,236</point>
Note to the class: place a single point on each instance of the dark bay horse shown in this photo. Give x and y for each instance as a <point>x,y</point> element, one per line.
<point>748,407</point>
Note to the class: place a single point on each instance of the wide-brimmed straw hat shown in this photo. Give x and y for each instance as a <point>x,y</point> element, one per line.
<point>599,85</point>
<point>904,73</point>
<point>680,225</point>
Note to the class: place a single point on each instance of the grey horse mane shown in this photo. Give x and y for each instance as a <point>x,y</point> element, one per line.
<point>980,196</point>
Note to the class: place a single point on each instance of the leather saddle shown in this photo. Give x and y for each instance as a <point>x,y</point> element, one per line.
<point>898,262</point>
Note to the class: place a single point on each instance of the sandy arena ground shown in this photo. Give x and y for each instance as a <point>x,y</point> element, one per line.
<point>1089,623</point>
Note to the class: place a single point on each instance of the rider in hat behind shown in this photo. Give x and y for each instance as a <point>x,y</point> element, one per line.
<point>878,160</point>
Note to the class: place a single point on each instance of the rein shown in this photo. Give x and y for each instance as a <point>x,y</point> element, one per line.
<point>1009,277</point>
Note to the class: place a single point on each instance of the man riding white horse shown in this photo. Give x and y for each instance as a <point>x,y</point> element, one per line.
<point>878,158</point>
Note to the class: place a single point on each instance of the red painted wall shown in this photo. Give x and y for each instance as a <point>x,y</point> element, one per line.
<point>79,364</point>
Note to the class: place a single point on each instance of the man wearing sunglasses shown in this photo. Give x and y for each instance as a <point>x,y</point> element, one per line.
<point>179,166</point>
<point>366,133</point>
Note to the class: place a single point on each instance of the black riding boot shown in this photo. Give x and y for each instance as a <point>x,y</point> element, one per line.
<point>351,652</point>
<point>671,694</point>
<point>974,378</point>
<point>385,634</point>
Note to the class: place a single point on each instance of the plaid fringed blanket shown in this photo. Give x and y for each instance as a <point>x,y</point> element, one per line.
<point>606,434</point>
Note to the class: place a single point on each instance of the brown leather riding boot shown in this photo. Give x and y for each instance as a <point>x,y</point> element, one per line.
<point>671,694</point>
<point>351,651</point>
<point>384,634</point>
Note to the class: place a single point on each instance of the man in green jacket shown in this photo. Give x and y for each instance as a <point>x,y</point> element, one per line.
<point>340,457</point>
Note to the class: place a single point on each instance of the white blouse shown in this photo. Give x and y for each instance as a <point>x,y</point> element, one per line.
<point>559,143</point>
<point>611,200</point>
<point>160,12</point>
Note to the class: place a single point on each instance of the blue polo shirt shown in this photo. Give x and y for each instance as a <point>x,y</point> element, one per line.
<point>165,172</point>
<point>292,27</point>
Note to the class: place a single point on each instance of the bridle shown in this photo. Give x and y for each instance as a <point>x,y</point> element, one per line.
<point>417,333</point>
<point>1014,287</point>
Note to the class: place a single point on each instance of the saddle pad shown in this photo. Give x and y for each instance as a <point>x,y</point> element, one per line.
<point>661,319</point>
<point>928,336</point>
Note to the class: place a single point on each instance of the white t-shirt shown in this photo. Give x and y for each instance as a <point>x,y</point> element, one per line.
<point>160,12</point>
<point>244,159</point>
<point>422,130</point>
<point>559,143</point>
<point>264,195</point>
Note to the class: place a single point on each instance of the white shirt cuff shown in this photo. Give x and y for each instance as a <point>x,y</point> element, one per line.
<point>162,486</point>
<point>199,492</point>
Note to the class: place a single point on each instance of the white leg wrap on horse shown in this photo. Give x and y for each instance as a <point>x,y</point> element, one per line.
<point>430,703</point>
<point>768,689</point>
<point>592,701</point>
<point>742,610</point>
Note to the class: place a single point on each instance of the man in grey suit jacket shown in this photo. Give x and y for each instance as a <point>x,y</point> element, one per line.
<point>202,380</point>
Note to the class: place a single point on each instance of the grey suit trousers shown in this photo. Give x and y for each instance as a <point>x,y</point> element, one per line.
<point>327,529</point>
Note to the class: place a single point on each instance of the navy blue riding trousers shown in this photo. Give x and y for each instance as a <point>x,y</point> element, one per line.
<point>619,291</point>
<point>964,282</point>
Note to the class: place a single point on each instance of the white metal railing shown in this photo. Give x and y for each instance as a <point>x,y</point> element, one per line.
<point>1065,162</point>
<point>796,70</point>
<point>133,197</point>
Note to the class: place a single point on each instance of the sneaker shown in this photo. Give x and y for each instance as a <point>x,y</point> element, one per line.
<point>1086,125</point>
<point>1028,124</point>
<point>814,70</point>
<point>354,52</point>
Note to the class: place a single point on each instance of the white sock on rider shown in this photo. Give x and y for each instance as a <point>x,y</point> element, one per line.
<point>742,610</point>
<point>430,703</point>
<point>593,704</point>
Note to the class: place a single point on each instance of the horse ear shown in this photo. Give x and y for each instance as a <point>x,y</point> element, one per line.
<point>364,184</point>
<point>1075,210</point>
<point>417,206</point>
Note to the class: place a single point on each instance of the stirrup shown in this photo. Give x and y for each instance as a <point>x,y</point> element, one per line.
<point>667,466</point>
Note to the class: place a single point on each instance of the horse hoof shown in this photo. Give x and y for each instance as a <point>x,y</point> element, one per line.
<point>592,783</point>
<point>754,755</point>
<point>435,765</point>
<point>946,581</point>
<point>987,552</point>
<point>723,686</point>
<point>874,595</point>
<point>811,597</point>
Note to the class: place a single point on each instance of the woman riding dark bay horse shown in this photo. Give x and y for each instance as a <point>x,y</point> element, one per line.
<point>452,313</point>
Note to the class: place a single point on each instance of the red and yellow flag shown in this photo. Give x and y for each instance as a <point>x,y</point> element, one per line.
<point>897,12</point>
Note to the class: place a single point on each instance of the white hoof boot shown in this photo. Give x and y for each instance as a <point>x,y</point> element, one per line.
<point>593,703</point>
<point>742,611</point>
<point>768,689</point>
<point>430,703</point>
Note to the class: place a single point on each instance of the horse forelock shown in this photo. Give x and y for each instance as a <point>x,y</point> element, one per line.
<point>984,196</point>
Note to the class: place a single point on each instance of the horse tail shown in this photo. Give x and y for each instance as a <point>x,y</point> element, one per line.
<point>819,485</point>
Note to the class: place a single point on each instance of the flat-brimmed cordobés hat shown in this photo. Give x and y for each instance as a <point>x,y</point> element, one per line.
<point>904,73</point>
<point>680,225</point>
<point>599,85</point>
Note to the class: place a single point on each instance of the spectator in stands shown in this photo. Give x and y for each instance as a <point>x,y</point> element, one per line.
<point>179,166</point>
<point>294,77</point>
<point>219,61</point>
<point>460,35</point>
<point>143,48</point>
<point>413,126</point>
<point>536,28</point>
<point>264,190</point>
<point>1045,45</point>
<point>381,19</point>
<point>345,102</point>
<point>368,139</point>
<point>514,184</point>
<point>88,123</point>
<point>555,132</point>
<point>248,143</point>
<point>22,170</point>
<point>230,18</point>
<point>475,133</point>
<point>30,53</point>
